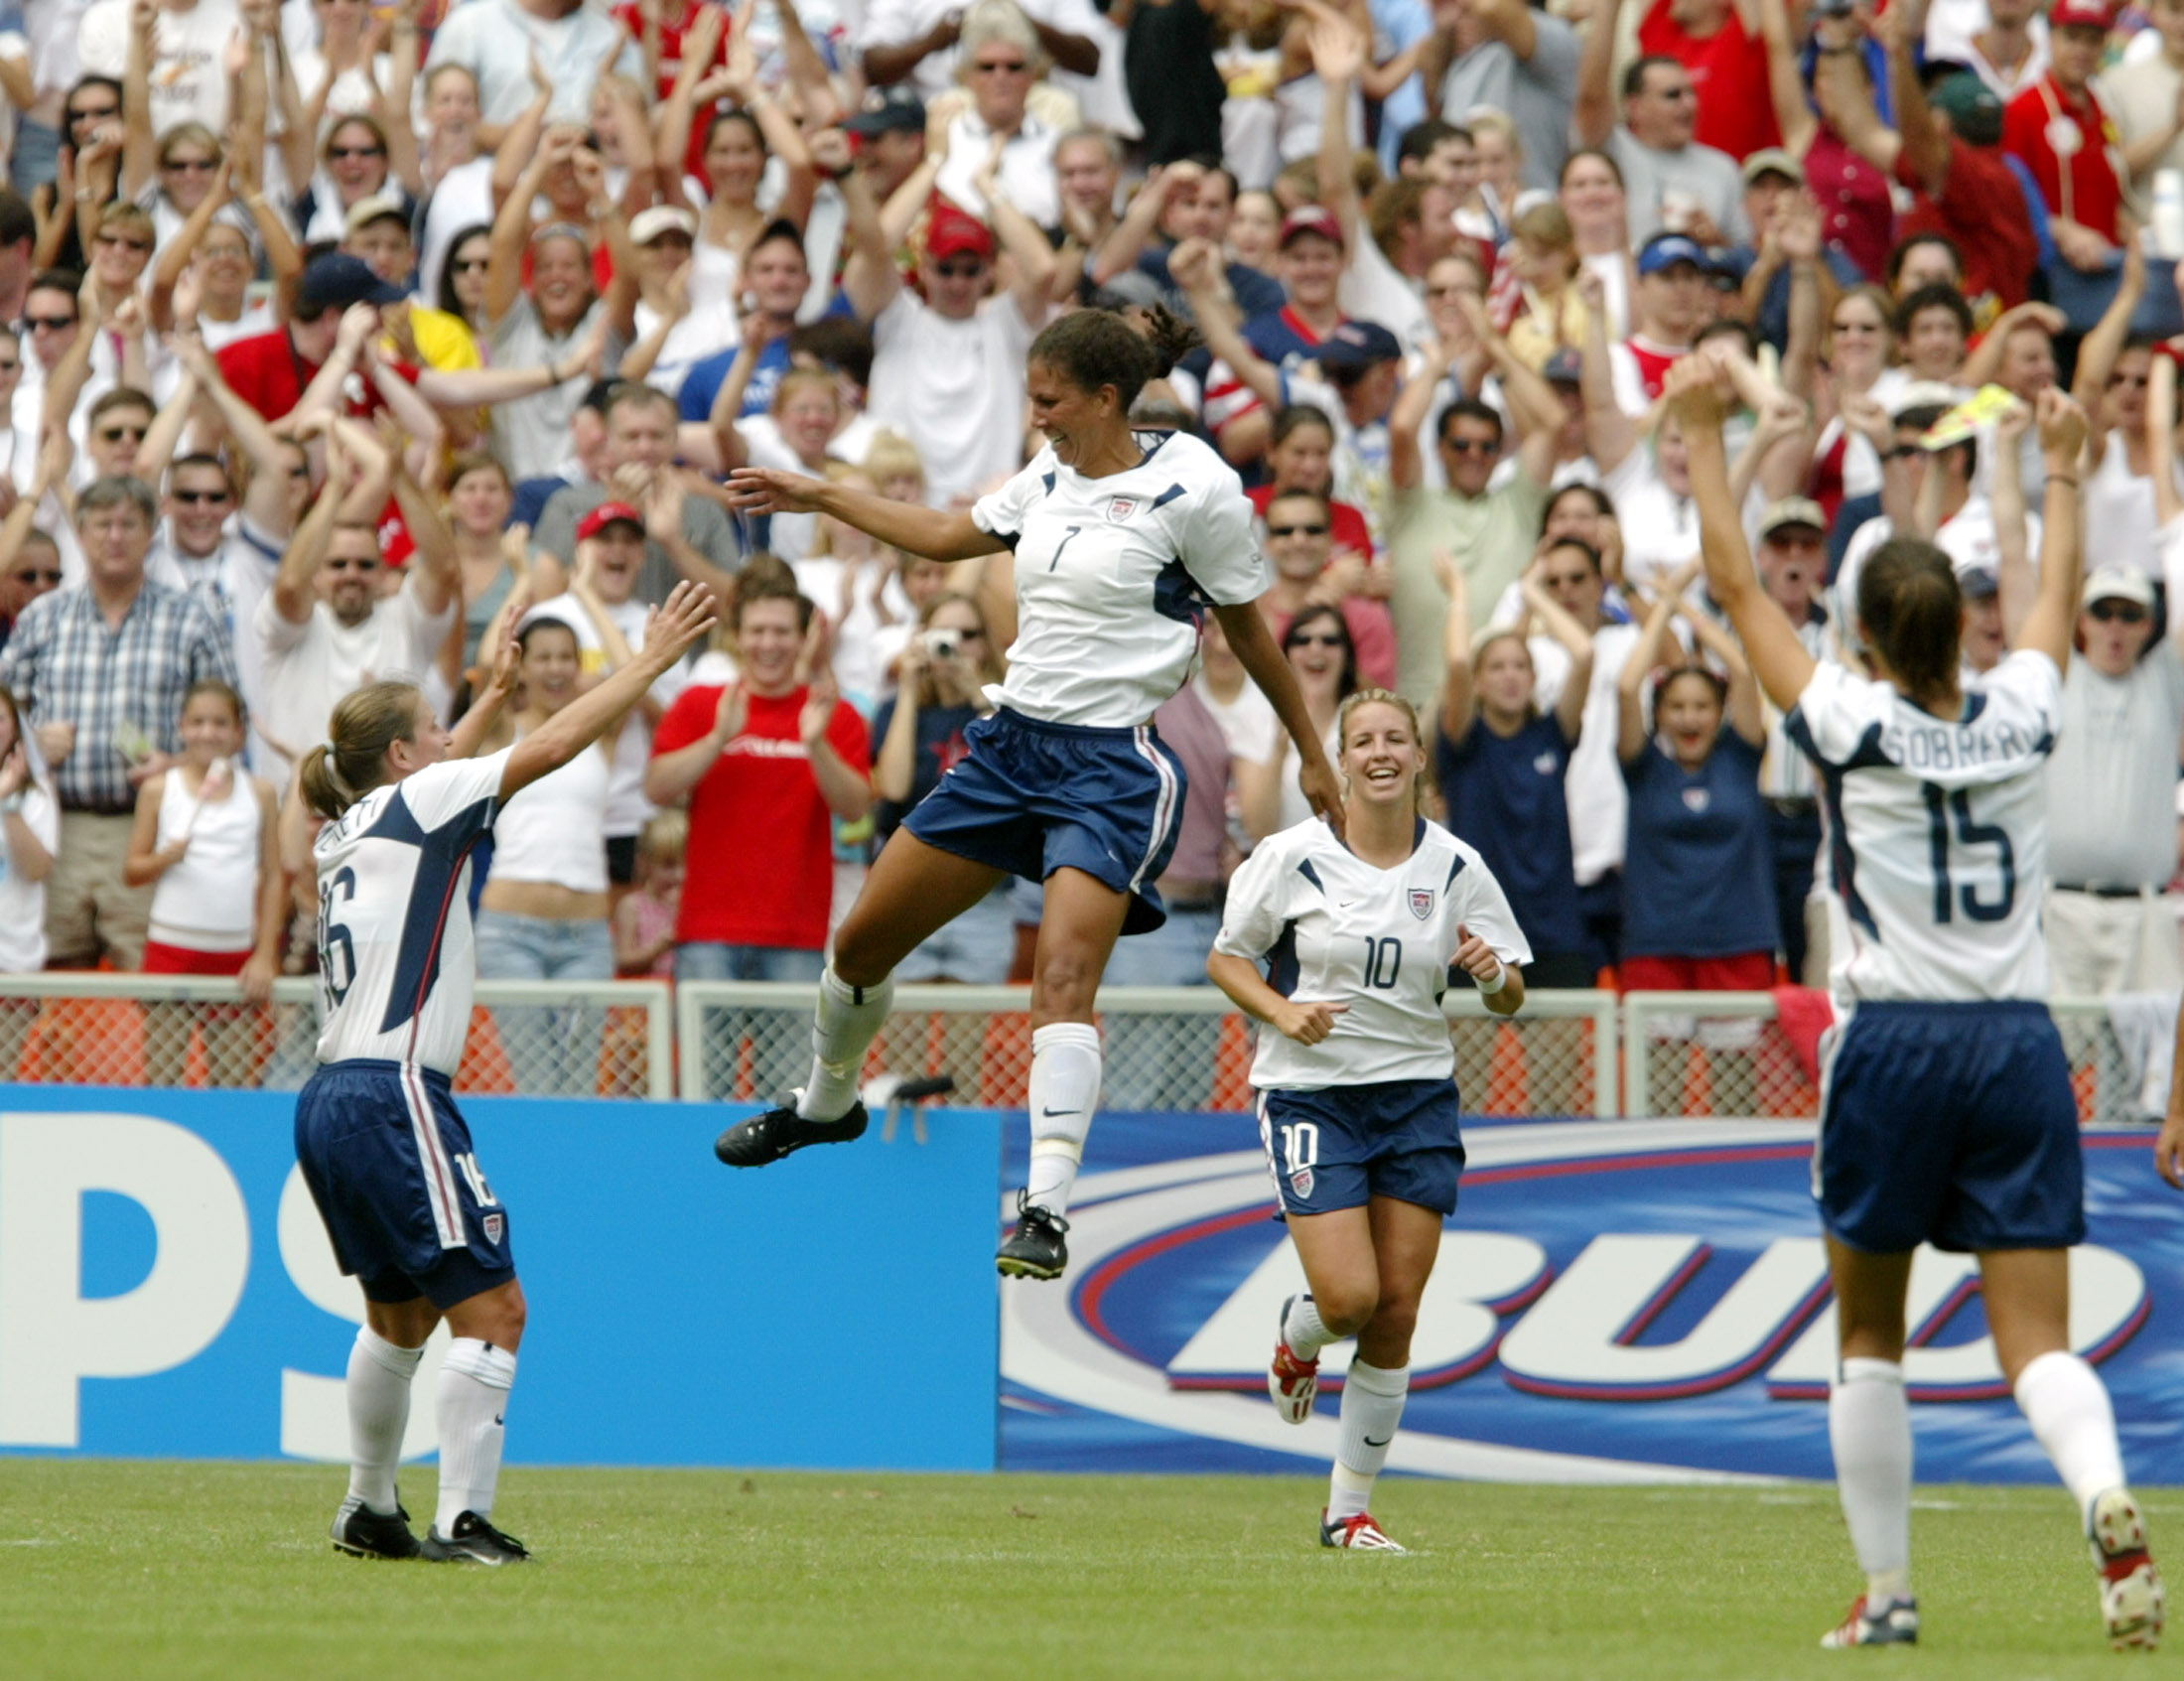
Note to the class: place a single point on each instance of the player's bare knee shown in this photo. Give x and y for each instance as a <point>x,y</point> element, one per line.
<point>1346,1310</point>
<point>1064,984</point>
<point>858,959</point>
<point>1392,1322</point>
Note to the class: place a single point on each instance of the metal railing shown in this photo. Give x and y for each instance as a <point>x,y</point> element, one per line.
<point>589,1039</point>
<point>1705,1053</point>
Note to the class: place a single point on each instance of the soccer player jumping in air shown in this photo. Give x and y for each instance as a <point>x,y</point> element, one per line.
<point>1121,542</point>
<point>1947,1115</point>
<point>1357,1105</point>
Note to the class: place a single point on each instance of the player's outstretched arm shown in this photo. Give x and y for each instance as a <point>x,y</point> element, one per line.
<point>670,633</point>
<point>1770,641</point>
<point>903,525</point>
<point>2054,611</point>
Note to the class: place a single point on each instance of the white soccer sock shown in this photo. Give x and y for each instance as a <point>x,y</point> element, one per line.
<point>2067,1405</point>
<point>1372,1407</point>
<point>1065,1090</point>
<point>379,1376</point>
<point>475,1380</point>
<point>847,1021</point>
<point>1303,1329</point>
<point>1869,1429</point>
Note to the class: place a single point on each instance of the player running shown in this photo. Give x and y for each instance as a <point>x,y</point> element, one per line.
<point>1357,1106</point>
<point>1946,1113</point>
<point>1121,542</point>
<point>385,1153</point>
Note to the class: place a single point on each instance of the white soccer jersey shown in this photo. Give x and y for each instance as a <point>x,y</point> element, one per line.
<point>1937,846</point>
<point>396,956</point>
<point>1113,575</point>
<point>1334,929</point>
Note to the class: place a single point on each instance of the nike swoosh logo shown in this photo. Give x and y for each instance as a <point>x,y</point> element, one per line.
<point>1382,1442</point>
<point>497,1419</point>
<point>1049,1114</point>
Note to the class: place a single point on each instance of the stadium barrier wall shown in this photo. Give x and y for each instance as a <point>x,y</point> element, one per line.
<point>1184,1049</point>
<point>167,1288</point>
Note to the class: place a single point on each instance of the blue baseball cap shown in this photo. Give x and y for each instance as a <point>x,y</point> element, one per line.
<point>1666,250</point>
<point>1358,343</point>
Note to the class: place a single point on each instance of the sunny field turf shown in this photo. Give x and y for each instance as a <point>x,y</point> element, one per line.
<point>120,1570</point>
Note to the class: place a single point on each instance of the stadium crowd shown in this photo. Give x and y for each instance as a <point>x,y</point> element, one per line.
<point>344,341</point>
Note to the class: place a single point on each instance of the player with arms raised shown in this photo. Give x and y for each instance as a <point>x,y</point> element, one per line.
<point>1357,1105</point>
<point>384,1151</point>
<point>1121,542</point>
<point>1947,1115</point>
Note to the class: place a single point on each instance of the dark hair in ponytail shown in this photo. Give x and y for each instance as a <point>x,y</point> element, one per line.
<point>340,772</point>
<point>1912,611</point>
<point>1095,347</point>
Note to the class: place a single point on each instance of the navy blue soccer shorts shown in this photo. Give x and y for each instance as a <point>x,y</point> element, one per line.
<point>1950,1124</point>
<point>389,1163</point>
<point>1034,797</point>
<point>1340,1147</point>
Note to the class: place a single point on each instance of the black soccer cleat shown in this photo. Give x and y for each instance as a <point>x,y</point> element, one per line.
<point>475,1541</point>
<point>782,1132</point>
<point>363,1533</point>
<point>1034,1249</point>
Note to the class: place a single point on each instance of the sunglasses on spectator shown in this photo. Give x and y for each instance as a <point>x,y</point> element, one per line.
<point>193,166</point>
<point>1000,66</point>
<point>962,271</point>
<point>36,575</point>
<point>123,239</point>
<point>193,497</point>
<point>114,434</point>
<point>49,323</point>
<point>1296,530</point>
<point>1323,639</point>
<point>341,152</point>
<point>2117,612</point>
<point>472,265</point>
<point>353,564</point>
<point>1468,446</point>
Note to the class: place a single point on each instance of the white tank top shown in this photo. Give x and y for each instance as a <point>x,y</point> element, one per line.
<point>2120,510</point>
<point>209,902</point>
<point>555,830</point>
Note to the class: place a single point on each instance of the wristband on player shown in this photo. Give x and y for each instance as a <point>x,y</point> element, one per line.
<point>1501,979</point>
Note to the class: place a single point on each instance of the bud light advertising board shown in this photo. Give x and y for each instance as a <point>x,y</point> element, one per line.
<point>1614,1302</point>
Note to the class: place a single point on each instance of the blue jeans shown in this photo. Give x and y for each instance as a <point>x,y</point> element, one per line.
<point>781,1046</point>
<point>553,1049</point>
<point>1161,1061</point>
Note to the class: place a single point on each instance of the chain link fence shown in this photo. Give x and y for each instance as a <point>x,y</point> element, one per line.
<point>527,1038</point>
<point>1166,1047</point>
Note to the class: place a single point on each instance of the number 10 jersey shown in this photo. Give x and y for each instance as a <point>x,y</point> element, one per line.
<point>1332,928</point>
<point>1937,833</point>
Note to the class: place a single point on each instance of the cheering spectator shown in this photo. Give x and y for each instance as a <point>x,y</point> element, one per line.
<point>189,42</point>
<point>569,44</point>
<point>324,627</point>
<point>645,920</point>
<point>1674,183</point>
<point>1502,767</point>
<point>1300,544</point>
<point>1856,211</point>
<point>1698,911</point>
<point>767,760</point>
<point>1001,60</point>
<point>1503,55</point>
<point>489,554</point>
<point>1319,647</point>
<point>2060,129</point>
<point>945,668</point>
<point>103,667</point>
<point>203,840</point>
<point>1300,457</point>
<point>30,831</point>
<point>1720,43</point>
<point>30,565</point>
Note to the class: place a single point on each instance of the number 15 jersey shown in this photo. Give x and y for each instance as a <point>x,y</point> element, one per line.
<point>1332,928</point>
<point>1937,833</point>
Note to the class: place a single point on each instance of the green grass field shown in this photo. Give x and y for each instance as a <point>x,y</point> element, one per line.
<point>119,1570</point>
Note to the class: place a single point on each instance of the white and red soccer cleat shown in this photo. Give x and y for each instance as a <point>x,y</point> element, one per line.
<point>2132,1600</point>
<point>1291,1383</point>
<point>1892,1622</point>
<point>1361,1534</point>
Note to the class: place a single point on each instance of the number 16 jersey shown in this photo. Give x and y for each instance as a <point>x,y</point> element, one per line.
<point>1332,928</point>
<point>1937,833</point>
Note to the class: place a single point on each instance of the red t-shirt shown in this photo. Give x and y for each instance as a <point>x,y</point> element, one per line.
<point>1982,208</point>
<point>632,18</point>
<point>2088,185</point>
<point>1729,69</point>
<point>1346,525</point>
<point>269,375</point>
<point>761,839</point>
<point>1654,361</point>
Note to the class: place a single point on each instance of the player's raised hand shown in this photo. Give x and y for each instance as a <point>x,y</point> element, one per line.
<point>676,625</point>
<point>2062,426</point>
<point>1692,395</point>
<point>761,489</point>
<point>1475,957</point>
<point>1307,1024</point>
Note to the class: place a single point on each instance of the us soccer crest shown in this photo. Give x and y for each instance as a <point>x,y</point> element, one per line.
<point>494,1225</point>
<point>1421,903</point>
<point>1301,1182</point>
<point>1120,508</point>
<point>1697,800</point>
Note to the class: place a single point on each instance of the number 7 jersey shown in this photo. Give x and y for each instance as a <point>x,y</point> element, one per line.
<point>1937,833</point>
<point>1332,928</point>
